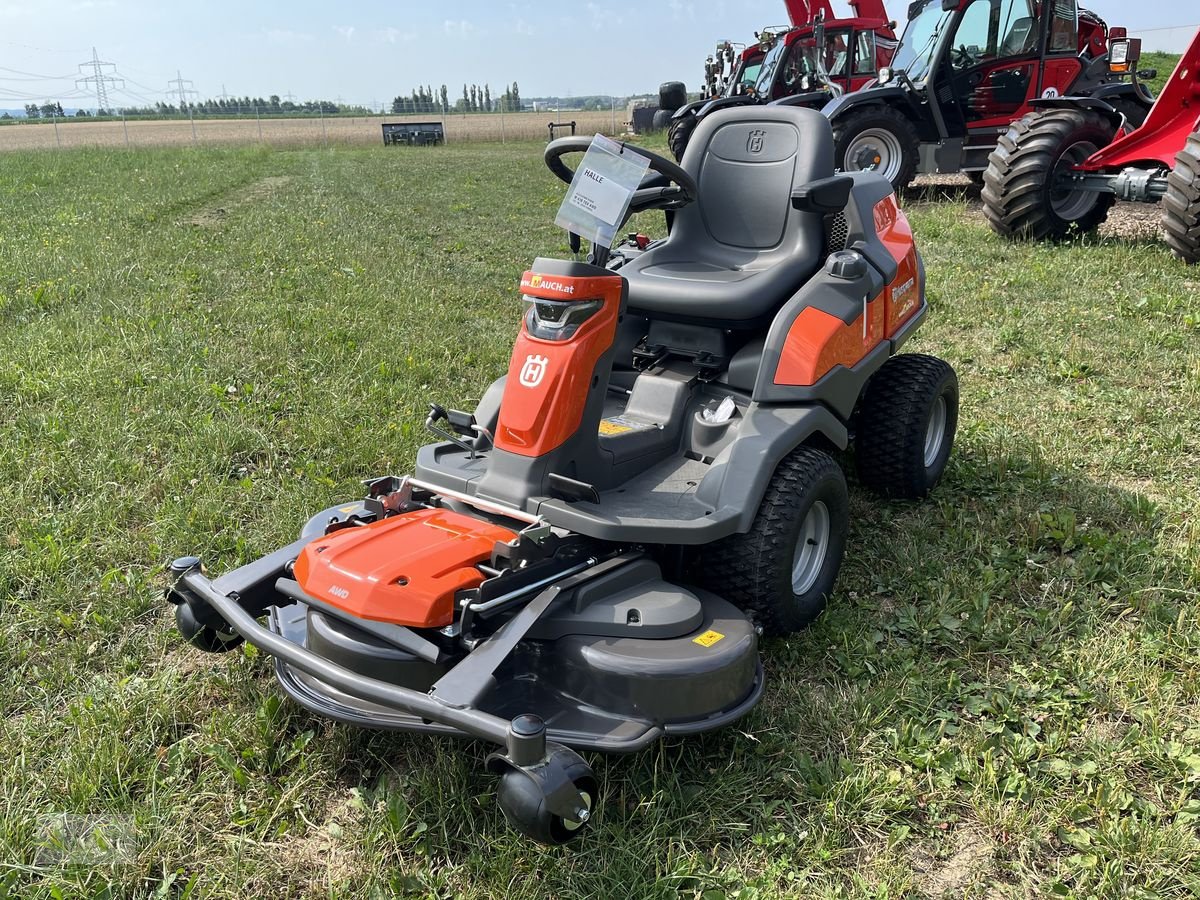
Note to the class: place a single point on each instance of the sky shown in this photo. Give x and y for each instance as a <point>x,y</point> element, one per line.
<point>366,51</point>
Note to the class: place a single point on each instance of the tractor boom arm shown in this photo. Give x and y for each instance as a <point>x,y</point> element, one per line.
<point>1174,116</point>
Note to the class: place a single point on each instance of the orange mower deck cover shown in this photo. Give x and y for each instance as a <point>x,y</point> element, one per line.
<point>404,570</point>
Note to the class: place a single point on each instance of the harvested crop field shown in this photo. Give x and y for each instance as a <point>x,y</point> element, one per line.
<point>291,132</point>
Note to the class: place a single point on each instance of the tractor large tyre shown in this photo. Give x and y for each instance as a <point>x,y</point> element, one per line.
<point>905,426</point>
<point>661,120</point>
<point>877,138</point>
<point>680,133</point>
<point>1019,199</point>
<point>1134,112</point>
<point>783,569</point>
<point>1181,205</point>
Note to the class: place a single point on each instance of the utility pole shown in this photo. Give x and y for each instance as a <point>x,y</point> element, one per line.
<point>99,80</point>
<point>181,86</point>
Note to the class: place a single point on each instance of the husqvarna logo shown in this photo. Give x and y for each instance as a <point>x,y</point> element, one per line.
<point>754,143</point>
<point>533,370</point>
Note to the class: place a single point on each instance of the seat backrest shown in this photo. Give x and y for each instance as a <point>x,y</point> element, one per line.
<point>746,160</point>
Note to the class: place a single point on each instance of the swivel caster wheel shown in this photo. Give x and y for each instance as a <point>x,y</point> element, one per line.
<point>205,637</point>
<point>534,798</point>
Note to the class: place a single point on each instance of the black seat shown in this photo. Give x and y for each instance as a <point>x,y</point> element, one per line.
<point>737,253</point>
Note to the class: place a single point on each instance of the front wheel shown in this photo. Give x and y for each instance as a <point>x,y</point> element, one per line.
<point>783,569</point>
<point>522,798</point>
<point>1024,194</point>
<point>1181,205</point>
<point>879,139</point>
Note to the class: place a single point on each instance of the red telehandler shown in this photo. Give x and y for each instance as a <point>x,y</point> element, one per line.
<point>1058,170</point>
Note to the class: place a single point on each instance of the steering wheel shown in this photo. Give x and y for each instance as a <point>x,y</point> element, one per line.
<point>665,186</point>
<point>963,57</point>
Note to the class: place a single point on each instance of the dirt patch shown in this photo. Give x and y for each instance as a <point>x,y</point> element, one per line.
<point>212,216</point>
<point>330,853</point>
<point>966,867</point>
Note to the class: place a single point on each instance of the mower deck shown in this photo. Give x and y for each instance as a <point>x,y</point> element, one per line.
<point>571,720</point>
<point>567,721</point>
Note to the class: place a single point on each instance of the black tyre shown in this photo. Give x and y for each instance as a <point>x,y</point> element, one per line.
<point>1181,205</point>
<point>1133,111</point>
<point>783,569</point>
<point>672,95</point>
<point>905,426</point>
<point>880,139</point>
<point>524,805</point>
<point>204,637</point>
<point>661,119</point>
<point>1020,199</point>
<point>680,133</point>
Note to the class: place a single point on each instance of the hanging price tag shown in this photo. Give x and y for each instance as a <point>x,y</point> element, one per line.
<point>601,190</point>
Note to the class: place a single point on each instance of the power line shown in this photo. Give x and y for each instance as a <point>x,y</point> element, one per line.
<point>99,79</point>
<point>181,86</point>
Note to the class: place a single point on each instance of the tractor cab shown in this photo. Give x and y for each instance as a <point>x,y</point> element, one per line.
<point>836,58</point>
<point>965,69</point>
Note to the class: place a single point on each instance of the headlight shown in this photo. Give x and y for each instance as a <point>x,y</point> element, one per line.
<point>557,320</point>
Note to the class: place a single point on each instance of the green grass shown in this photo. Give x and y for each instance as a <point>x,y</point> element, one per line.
<point>1001,701</point>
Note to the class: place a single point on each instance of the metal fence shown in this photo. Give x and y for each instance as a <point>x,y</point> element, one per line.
<point>254,126</point>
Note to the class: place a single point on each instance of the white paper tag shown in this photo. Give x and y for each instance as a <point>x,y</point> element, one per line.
<point>604,184</point>
<point>600,196</point>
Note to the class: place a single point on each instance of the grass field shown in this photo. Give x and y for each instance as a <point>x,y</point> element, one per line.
<point>202,347</point>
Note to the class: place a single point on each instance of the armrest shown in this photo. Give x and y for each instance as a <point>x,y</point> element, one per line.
<point>825,196</point>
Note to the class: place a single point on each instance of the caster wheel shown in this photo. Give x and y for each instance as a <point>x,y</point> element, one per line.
<point>523,797</point>
<point>205,637</point>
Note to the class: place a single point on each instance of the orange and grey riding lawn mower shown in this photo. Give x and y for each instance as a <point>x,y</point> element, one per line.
<point>588,559</point>
<point>1059,170</point>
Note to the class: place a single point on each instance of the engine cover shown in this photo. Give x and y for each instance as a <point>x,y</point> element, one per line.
<point>405,569</point>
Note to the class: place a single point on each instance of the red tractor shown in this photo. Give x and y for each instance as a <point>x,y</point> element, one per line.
<point>964,70</point>
<point>1058,170</point>
<point>732,69</point>
<point>816,59</point>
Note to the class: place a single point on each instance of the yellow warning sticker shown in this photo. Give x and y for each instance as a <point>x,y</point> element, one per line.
<point>709,638</point>
<point>615,426</point>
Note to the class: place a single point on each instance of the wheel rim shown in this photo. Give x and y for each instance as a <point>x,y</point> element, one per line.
<point>811,547</point>
<point>1072,204</point>
<point>574,825</point>
<point>875,149</point>
<point>935,432</point>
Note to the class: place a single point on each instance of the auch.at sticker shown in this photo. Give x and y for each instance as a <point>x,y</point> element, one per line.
<point>709,638</point>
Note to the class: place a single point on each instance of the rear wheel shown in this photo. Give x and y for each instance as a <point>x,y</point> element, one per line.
<point>661,119</point>
<point>905,426</point>
<point>879,139</point>
<point>1021,194</point>
<point>784,568</point>
<point>1181,205</point>
<point>680,133</point>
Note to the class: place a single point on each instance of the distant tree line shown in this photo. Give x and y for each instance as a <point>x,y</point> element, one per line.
<point>474,99</point>
<point>222,107</point>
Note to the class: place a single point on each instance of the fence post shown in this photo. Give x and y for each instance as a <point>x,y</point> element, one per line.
<point>258,119</point>
<point>125,127</point>
<point>502,123</point>
<point>192,119</point>
<point>324,139</point>
<point>54,119</point>
<point>613,103</point>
